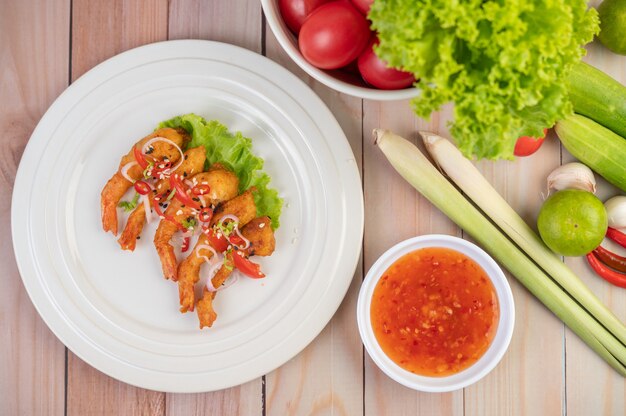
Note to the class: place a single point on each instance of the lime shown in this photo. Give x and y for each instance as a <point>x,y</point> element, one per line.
<point>613,25</point>
<point>572,222</point>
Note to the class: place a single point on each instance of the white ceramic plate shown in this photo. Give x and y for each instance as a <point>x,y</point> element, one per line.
<point>113,308</point>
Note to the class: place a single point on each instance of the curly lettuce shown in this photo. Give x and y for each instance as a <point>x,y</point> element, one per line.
<point>235,152</point>
<point>503,63</point>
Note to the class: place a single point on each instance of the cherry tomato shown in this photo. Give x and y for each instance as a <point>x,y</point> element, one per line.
<point>247,267</point>
<point>333,35</point>
<point>294,12</point>
<point>526,146</point>
<point>218,242</point>
<point>363,5</point>
<point>376,72</point>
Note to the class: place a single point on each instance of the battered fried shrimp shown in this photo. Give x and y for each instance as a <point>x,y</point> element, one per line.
<point>117,186</point>
<point>244,208</point>
<point>262,243</point>
<point>223,185</point>
<point>193,163</point>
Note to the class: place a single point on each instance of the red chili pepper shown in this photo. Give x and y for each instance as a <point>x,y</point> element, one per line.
<point>205,214</point>
<point>236,240</point>
<point>181,195</point>
<point>140,157</point>
<point>201,189</point>
<point>247,267</point>
<point>185,245</point>
<point>142,188</point>
<point>617,236</point>
<point>611,276</point>
<point>611,259</point>
<point>157,209</point>
<point>217,241</point>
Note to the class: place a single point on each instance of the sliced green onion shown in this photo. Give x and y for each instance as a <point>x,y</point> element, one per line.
<point>423,176</point>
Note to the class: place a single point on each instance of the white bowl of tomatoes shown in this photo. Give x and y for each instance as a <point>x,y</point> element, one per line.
<point>331,41</point>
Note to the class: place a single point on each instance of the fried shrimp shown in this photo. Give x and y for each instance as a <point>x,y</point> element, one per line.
<point>262,243</point>
<point>117,186</point>
<point>193,163</point>
<point>223,185</point>
<point>244,208</point>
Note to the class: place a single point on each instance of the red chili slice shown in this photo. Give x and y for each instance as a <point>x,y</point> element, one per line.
<point>157,209</point>
<point>201,189</point>
<point>611,276</point>
<point>140,157</point>
<point>142,188</point>
<point>205,214</point>
<point>247,267</point>
<point>181,195</point>
<point>185,245</point>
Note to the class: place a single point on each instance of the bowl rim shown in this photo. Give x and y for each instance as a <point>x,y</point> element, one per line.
<point>282,33</point>
<point>490,358</point>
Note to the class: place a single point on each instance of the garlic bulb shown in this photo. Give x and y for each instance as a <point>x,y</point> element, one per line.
<point>616,210</point>
<point>572,176</point>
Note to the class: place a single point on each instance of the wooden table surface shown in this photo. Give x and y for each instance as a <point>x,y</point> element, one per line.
<point>46,45</point>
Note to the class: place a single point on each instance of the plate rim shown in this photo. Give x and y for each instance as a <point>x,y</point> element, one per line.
<point>26,259</point>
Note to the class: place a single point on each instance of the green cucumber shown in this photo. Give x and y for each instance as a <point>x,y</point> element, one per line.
<point>596,95</point>
<point>595,146</point>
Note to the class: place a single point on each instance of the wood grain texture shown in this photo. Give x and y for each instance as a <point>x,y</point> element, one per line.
<point>536,349</point>
<point>33,72</point>
<point>238,23</point>
<point>326,378</point>
<point>395,212</point>
<point>99,31</point>
<point>592,386</point>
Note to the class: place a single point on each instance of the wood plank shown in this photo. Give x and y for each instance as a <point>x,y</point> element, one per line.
<point>327,377</point>
<point>239,23</point>
<point>529,379</point>
<point>99,31</point>
<point>592,386</point>
<point>34,56</point>
<point>395,212</point>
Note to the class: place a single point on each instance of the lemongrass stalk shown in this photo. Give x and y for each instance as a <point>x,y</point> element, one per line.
<point>471,182</point>
<point>423,176</point>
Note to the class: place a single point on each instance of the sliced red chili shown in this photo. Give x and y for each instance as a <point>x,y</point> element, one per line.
<point>205,214</point>
<point>611,259</point>
<point>617,236</point>
<point>181,194</point>
<point>247,267</point>
<point>142,188</point>
<point>140,157</point>
<point>611,276</point>
<point>159,212</point>
<point>186,244</point>
<point>201,189</point>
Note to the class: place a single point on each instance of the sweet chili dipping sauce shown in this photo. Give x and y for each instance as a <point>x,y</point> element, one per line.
<point>434,312</point>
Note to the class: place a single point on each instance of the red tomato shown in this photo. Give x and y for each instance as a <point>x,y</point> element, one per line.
<point>294,12</point>
<point>247,267</point>
<point>363,5</point>
<point>526,146</point>
<point>376,72</point>
<point>333,35</point>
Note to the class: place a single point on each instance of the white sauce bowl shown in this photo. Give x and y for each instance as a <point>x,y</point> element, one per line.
<point>490,358</point>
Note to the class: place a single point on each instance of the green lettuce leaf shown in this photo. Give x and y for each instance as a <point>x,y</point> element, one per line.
<point>235,152</point>
<point>503,63</point>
